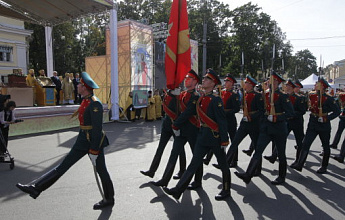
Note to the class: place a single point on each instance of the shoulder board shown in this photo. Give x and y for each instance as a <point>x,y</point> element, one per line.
<point>312,92</point>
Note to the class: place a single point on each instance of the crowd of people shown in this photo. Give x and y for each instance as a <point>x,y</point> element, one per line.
<point>66,91</point>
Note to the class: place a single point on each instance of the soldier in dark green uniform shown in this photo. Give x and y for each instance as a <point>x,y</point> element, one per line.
<point>253,110</point>
<point>321,105</point>
<point>169,107</point>
<point>91,140</point>
<point>295,123</point>
<point>185,127</point>
<point>212,136</point>
<point>232,104</point>
<point>273,128</point>
<point>341,126</point>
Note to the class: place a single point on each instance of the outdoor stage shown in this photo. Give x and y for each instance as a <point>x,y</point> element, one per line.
<point>47,118</point>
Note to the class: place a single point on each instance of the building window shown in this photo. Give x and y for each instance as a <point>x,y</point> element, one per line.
<point>6,53</point>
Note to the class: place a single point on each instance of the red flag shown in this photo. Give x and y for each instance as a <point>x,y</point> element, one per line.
<point>177,56</point>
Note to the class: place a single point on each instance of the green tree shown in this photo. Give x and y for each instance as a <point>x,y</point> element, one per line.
<point>302,64</point>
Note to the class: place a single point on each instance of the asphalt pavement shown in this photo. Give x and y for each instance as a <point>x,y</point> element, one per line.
<point>305,195</point>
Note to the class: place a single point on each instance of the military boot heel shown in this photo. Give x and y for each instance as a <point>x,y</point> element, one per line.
<point>273,157</point>
<point>153,168</point>
<point>41,184</point>
<point>168,172</point>
<point>301,160</point>
<point>181,186</point>
<point>247,176</point>
<point>282,174</point>
<point>324,164</point>
<point>225,192</point>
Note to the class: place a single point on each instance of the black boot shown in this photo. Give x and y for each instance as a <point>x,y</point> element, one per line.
<point>340,157</point>
<point>249,151</point>
<point>168,172</point>
<point>273,157</point>
<point>40,184</point>
<point>301,160</point>
<point>208,157</point>
<point>258,169</point>
<point>196,184</point>
<point>324,163</point>
<point>154,166</point>
<point>178,175</point>
<point>282,174</point>
<point>298,152</point>
<point>181,186</point>
<point>103,203</point>
<point>233,160</point>
<point>225,192</point>
<point>247,176</point>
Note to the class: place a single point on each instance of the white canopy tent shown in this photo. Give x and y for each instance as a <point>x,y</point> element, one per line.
<point>309,82</point>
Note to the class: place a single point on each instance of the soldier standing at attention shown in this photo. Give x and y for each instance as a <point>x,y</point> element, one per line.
<point>295,123</point>
<point>213,136</point>
<point>319,124</point>
<point>185,127</point>
<point>91,140</point>
<point>169,105</point>
<point>231,103</point>
<point>273,128</point>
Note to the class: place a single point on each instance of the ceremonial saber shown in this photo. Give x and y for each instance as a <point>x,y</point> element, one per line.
<point>98,184</point>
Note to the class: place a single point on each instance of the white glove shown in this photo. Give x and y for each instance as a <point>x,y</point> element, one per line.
<point>270,118</point>
<point>93,159</point>
<point>176,91</point>
<point>245,118</point>
<point>320,119</point>
<point>176,132</point>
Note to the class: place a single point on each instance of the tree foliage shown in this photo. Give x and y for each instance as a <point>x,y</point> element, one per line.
<point>245,29</point>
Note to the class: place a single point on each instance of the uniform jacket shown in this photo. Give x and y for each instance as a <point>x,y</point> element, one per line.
<point>169,102</point>
<point>185,121</point>
<point>231,104</point>
<point>298,103</point>
<point>212,106</point>
<point>90,113</point>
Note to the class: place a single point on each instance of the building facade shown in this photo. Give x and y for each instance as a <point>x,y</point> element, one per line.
<point>13,45</point>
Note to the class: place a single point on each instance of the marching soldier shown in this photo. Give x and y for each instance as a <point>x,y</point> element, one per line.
<point>212,136</point>
<point>185,127</point>
<point>321,105</point>
<point>91,140</point>
<point>169,105</point>
<point>294,123</point>
<point>253,110</point>
<point>231,103</point>
<point>341,125</point>
<point>273,128</point>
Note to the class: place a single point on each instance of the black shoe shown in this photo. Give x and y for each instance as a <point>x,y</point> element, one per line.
<point>222,195</point>
<point>233,164</point>
<point>159,183</point>
<point>178,175</point>
<point>173,192</point>
<point>296,167</point>
<point>29,189</point>
<point>243,176</point>
<point>333,146</point>
<point>216,166</point>
<point>194,186</point>
<point>322,170</point>
<point>248,152</point>
<point>278,181</point>
<point>271,159</point>
<point>102,204</point>
<point>148,173</point>
<point>206,162</point>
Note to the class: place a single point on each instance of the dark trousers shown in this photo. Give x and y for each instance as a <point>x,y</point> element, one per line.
<point>245,129</point>
<point>3,142</point>
<point>324,135</point>
<point>268,134</point>
<point>75,154</point>
<point>178,147</point>
<point>57,97</point>
<point>341,127</point>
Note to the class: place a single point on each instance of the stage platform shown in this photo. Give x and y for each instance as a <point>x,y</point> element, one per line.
<point>48,118</point>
